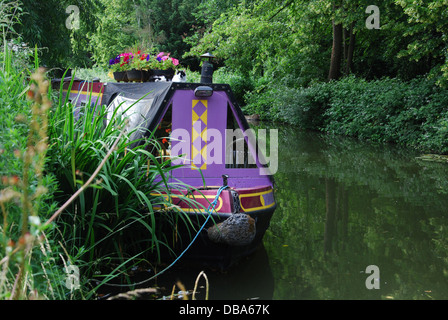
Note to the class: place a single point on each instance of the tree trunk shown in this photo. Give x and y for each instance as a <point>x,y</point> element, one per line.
<point>345,36</point>
<point>350,51</point>
<point>336,52</point>
<point>330,215</point>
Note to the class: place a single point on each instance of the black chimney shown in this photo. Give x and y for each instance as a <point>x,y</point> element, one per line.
<point>207,68</point>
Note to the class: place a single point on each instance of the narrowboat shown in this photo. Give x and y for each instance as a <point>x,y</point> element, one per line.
<point>236,180</point>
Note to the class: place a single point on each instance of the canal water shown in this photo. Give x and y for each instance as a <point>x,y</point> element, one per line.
<point>345,205</point>
<point>354,221</point>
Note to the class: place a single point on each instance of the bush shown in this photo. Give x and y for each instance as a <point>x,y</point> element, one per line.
<point>240,84</point>
<point>411,113</point>
<point>299,106</point>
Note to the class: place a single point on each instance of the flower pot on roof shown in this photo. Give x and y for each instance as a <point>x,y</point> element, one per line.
<point>136,65</point>
<point>119,66</point>
<point>135,75</point>
<point>162,66</point>
<point>120,76</point>
<point>141,67</point>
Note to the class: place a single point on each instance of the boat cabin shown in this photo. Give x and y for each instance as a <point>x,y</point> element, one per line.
<point>201,127</point>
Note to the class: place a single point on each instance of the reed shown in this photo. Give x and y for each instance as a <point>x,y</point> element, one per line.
<point>112,224</point>
<point>74,192</point>
<point>26,255</point>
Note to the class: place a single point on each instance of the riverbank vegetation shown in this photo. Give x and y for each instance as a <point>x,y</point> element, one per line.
<point>324,65</point>
<point>76,197</point>
<point>411,113</point>
<point>76,193</point>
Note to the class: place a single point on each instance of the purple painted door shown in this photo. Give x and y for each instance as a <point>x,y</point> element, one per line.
<point>196,123</point>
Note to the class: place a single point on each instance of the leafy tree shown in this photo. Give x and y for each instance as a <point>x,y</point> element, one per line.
<point>43,25</point>
<point>427,27</point>
<point>259,39</point>
<point>81,46</point>
<point>149,24</point>
<point>115,30</point>
<point>170,23</point>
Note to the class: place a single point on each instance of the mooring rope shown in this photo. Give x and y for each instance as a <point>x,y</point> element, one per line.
<point>210,210</point>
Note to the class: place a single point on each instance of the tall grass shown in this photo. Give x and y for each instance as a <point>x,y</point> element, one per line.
<point>26,256</point>
<point>48,155</point>
<point>27,259</point>
<point>74,191</point>
<point>112,225</point>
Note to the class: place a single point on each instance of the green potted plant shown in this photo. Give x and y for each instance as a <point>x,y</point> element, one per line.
<point>162,65</point>
<point>142,67</point>
<point>136,65</point>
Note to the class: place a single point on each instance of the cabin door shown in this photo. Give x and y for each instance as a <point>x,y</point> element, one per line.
<point>198,137</point>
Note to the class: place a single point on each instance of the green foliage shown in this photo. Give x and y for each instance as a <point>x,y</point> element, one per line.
<point>410,113</point>
<point>43,24</point>
<point>300,106</point>
<point>249,42</point>
<point>171,22</point>
<point>114,221</point>
<point>287,41</point>
<point>240,84</point>
<point>149,24</point>
<point>290,42</point>
<point>426,27</point>
<point>115,30</point>
<point>9,13</point>
<point>27,257</point>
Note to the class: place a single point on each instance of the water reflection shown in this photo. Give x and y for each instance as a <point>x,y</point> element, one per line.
<point>345,205</point>
<point>250,279</point>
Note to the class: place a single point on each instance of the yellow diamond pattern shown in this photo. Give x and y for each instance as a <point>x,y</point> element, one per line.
<point>195,135</point>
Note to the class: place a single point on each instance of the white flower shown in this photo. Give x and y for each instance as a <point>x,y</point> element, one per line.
<point>34,220</point>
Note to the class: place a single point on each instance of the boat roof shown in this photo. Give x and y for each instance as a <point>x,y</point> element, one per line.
<point>158,94</point>
<point>154,97</point>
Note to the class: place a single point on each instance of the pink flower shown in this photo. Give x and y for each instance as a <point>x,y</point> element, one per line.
<point>175,61</point>
<point>164,58</point>
<point>160,54</point>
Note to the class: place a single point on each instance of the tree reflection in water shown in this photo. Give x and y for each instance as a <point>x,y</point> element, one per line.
<point>345,205</point>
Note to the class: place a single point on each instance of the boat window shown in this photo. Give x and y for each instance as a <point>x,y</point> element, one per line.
<point>163,132</point>
<point>238,154</point>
